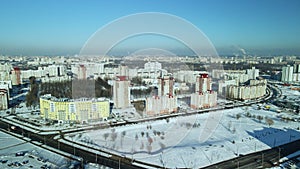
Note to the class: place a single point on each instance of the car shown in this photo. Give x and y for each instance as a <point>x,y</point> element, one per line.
<point>44,166</point>
<point>25,162</point>
<point>21,153</point>
<point>3,161</point>
<point>30,156</point>
<point>17,164</point>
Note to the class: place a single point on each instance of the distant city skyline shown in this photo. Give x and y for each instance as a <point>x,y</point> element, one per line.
<point>35,27</point>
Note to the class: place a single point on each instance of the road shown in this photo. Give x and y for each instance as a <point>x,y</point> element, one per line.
<point>87,156</point>
<point>262,159</point>
<point>254,160</point>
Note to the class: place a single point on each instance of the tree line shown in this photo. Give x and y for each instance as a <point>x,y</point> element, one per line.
<point>68,89</point>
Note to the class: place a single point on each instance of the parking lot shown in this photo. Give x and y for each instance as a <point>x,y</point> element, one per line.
<point>17,153</point>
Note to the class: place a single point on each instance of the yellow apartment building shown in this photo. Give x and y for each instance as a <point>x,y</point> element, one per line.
<point>79,110</point>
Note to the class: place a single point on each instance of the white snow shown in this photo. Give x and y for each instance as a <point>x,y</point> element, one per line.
<point>194,141</point>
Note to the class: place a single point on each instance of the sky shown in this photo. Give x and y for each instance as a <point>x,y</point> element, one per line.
<point>34,27</point>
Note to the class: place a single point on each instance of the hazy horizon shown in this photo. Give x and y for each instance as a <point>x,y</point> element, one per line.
<point>35,27</point>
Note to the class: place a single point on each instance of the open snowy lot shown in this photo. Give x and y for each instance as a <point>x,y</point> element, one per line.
<point>197,140</point>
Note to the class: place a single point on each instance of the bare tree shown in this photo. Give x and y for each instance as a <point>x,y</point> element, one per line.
<point>123,133</point>
<point>259,118</point>
<point>114,136</point>
<point>233,130</point>
<point>150,140</point>
<point>269,121</point>
<point>149,148</point>
<point>105,135</point>
<point>238,116</point>
<point>162,145</point>
<point>142,145</point>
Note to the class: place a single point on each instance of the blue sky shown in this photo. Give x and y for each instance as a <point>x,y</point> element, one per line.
<point>63,26</point>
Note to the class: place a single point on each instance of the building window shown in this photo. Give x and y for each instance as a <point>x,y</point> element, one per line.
<point>52,107</point>
<point>72,108</point>
<point>94,107</point>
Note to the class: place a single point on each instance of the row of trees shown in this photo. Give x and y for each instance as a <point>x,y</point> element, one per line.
<point>268,120</point>
<point>32,96</point>
<point>77,88</point>
<point>68,89</point>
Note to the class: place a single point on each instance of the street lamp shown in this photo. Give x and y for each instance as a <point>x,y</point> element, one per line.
<point>238,163</point>
<point>58,144</point>
<point>262,160</point>
<point>279,151</point>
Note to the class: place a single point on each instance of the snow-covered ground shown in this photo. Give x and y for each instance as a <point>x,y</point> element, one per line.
<point>197,140</point>
<point>33,157</point>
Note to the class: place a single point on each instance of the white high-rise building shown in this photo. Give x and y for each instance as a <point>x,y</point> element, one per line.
<point>123,70</point>
<point>165,102</point>
<point>252,73</point>
<point>203,100</point>
<point>4,86</point>
<point>88,69</point>
<point>296,68</point>
<point>158,105</point>
<point>81,72</point>
<point>165,86</point>
<point>256,89</point>
<point>287,73</point>
<point>3,99</point>
<point>203,97</point>
<point>121,92</point>
<point>203,83</point>
<point>152,65</point>
<point>16,76</point>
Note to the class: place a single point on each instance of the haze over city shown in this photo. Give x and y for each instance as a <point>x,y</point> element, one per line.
<point>49,28</point>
